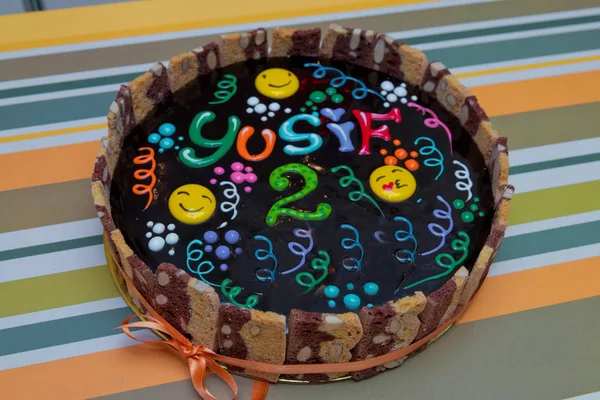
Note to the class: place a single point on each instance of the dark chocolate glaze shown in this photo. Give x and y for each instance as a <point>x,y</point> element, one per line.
<point>379,264</point>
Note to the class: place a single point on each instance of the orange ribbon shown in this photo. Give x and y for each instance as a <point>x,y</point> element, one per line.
<point>202,359</point>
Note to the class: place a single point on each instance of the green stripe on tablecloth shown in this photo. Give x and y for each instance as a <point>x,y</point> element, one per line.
<point>100,324</point>
<point>515,49</point>
<point>75,84</point>
<point>121,78</point>
<point>56,290</point>
<point>50,247</point>
<point>62,331</point>
<point>549,353</point>
<point>554,202</point>
<point>556,125</point>
<point>563,162</point>
<point>94,105</point>
<point>555,239</point>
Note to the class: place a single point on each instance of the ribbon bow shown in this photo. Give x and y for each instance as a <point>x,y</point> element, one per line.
<point>200,358</point>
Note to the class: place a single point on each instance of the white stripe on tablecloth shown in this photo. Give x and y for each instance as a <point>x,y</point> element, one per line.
<point>61,312</point>
<point>235,28</point>
<point>544,259</point>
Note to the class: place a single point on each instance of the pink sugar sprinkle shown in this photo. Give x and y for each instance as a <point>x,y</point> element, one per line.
<point>213,181</point>
<point>247,189</point>
<point>248,169</point>
<point>251,178</point>
<point>238,177</point>
<point>219,171</point>
<point>237,166</point>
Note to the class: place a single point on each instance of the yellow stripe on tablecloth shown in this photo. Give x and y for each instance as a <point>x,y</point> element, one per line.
<point>75,25</point>
<point>57,132</point>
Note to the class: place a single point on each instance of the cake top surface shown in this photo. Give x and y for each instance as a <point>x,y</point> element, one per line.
<point>290,183</point>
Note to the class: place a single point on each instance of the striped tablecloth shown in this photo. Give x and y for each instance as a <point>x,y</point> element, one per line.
<point>532,333</point>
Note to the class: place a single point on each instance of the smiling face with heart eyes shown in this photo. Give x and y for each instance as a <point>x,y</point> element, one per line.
<point>277,83</point>
<point>192,204</point>
<point>392,184</point>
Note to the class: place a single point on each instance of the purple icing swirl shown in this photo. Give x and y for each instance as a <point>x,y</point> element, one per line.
<point>437,229</point>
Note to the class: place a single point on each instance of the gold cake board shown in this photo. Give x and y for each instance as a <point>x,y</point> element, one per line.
<point>122,288</point>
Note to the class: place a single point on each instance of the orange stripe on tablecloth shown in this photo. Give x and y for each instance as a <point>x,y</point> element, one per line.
<point>71,162</point>
<point>539,94</point>
<point>534,288</point>
<point>142,366</point>
<point>46,166</point>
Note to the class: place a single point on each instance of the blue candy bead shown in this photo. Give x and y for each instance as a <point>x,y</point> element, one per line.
<point>331,303</point>
<point>352,301</point>
<point>166,143</point>
<point>332,291</point>
<point>371,288</point>
<point>154,138</point>
<point>232,236</point>
<point>222,252</point>
<point>166,129</point>
<point>211,236</point>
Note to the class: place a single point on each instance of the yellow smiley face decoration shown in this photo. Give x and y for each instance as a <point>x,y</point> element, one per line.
<point>192,204</point>
<point>277,83</point>
<point>392,184</point>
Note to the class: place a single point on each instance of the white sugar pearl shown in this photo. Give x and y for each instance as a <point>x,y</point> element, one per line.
<point>386,104</point>
<point>156,243</point>
<point>400,91</point>
<point>392,97</point>
<point>403,100</point>
<point>403,84</point>
<point>149,224</point>
<point>271,114</point>
<point>384,93</point>
<point>274,106</point>
<point>171,252</point>
<point>387,85</point>
<point>287,110</point>
<point>158,228</point>
<point>148,235</point>
<point>249,110</point>
<point>260,108</point>
<point>171,227</point>
<point>263,119</point>
<point>413,98</point>
<point>172,238</point>
<point>252,101</point>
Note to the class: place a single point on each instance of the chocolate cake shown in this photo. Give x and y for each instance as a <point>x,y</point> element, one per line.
<point>327,200</point>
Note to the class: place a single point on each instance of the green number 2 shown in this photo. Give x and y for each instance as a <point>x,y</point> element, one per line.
<point>279,183</point>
